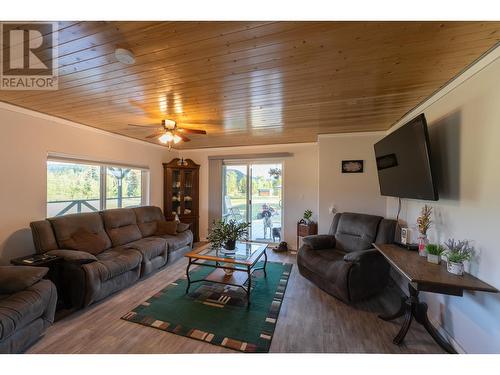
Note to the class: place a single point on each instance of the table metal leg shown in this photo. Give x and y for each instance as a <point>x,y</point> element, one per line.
<point>265,263</point>
<point>187,276</point>
<point>249,273</point>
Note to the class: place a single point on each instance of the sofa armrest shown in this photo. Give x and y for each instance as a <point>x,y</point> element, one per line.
<point>14,279</point>
<point>362,256</point>
<point>80,257</point>
<point>320,241</point>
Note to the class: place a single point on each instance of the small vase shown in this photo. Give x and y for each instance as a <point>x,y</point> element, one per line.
<point>227,271</point>
<point>422,242</point>
<point>431,258</point>
<point>455,268</point>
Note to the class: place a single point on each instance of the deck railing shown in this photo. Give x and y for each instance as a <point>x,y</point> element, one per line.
<point>59,208</point>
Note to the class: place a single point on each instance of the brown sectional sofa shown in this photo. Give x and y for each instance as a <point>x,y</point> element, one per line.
<point>107,251</point>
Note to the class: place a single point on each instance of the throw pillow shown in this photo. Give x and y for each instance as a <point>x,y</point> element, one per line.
<point>16,278</point>
<point>182,227</point>
<point>83,240</point>
<point>166,227</point>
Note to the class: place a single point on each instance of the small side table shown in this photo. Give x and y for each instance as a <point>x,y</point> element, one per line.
<point>52,263</point>
<point>306,229</point>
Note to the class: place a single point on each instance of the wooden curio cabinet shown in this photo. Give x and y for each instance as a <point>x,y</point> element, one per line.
<point>181,192</point>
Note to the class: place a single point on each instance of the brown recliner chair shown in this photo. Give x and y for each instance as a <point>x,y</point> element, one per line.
<point>344,263</point>
<point>27,306</point>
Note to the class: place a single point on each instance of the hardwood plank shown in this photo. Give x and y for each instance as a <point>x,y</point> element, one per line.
<point>317,322</point>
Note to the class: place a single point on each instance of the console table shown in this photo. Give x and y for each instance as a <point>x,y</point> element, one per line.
<point>426,277</point>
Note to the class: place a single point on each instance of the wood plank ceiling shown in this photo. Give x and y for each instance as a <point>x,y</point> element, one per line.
<point>250,83</point>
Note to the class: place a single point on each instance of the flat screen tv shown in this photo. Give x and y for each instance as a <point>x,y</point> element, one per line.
<point>404,162</point>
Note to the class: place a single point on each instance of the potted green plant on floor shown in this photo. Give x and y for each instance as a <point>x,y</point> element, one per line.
<point>225,234</point>
<point>434,253</point>
<point>458,252</point>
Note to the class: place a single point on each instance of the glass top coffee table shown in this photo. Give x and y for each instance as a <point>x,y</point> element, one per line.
<point>230,268</point>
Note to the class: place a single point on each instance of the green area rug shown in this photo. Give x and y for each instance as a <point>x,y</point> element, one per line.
<point>217,313</point>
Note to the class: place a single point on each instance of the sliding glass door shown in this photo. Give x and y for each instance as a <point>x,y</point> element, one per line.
<point>252,192</point>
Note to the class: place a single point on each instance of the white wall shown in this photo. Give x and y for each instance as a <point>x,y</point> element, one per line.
<point>464,127</point>
<point>348,192</point>
<point>300,181</point>
<point>26,138</point>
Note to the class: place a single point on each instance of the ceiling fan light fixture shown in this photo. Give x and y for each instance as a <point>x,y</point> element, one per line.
<point>168,123</point>
<point>165,138</point>
<point>177,139</point>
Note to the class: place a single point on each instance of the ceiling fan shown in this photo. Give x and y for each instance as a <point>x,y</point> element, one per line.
<point>169,133</point>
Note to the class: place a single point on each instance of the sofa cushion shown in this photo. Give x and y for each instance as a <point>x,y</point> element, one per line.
<point>166,227</point>
<point>115,261</point>
<point>147,218</point>
<point>43,236</point>
<point>16,278</point>
<point>121,225</point>
<point>21,308</point>
<point>179,240</point>
<point>149,247</point>
<point>329,264</point>
<point>182,227</point>
<point>69,229</point>
<point>88,242</point>
<point>356,231</point>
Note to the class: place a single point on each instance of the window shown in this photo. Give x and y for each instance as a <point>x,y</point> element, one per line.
<point>80,186</point>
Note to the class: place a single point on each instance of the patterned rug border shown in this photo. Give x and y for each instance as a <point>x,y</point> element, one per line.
<point>266,336</point>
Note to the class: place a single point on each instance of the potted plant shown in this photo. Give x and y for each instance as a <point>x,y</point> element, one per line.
<point>307,215</point>
<point>424,223</point>
<point>458,252</point>
<point>434,253</point>
<point>225,234</point>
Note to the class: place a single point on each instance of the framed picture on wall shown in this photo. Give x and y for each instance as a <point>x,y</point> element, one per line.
<point>352,166</point>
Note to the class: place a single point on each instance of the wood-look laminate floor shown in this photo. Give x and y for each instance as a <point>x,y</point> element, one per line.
<point>310,321</point>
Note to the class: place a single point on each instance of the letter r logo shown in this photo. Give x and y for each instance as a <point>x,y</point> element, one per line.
<point>27,49</point>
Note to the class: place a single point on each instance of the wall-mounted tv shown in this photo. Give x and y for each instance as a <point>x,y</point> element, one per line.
<point>404,162</point>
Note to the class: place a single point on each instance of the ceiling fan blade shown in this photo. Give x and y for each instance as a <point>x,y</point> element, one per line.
<point>183,137</point>
<point>192,131</point>
<point>157,134</point>
<point>157,125</point>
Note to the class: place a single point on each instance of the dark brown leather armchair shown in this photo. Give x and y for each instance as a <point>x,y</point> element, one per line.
<point>344,263</point>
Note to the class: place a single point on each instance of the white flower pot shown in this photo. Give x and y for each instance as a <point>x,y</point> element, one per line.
<point>455,268</point>
<point>431,258</point>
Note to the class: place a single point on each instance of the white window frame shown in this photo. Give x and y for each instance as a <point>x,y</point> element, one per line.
<point>103,165</point>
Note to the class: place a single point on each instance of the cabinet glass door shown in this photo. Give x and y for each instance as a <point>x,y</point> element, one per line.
<point>176,192</point>
<point>187,196</point>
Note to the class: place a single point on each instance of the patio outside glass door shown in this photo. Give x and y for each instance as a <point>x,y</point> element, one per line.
<point>253,192</point>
